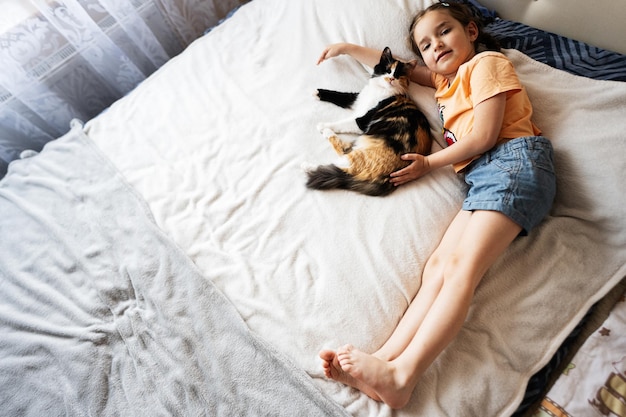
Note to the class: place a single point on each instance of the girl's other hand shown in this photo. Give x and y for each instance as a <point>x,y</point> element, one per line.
<point>418,168</point>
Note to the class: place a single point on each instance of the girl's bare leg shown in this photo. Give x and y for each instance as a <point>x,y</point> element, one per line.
<point>432,279</point>
<point>486,235</point>
<point>409,323</point>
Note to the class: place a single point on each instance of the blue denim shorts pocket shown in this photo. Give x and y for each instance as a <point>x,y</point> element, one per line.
<point>516,178</point>
<point>542,156</point>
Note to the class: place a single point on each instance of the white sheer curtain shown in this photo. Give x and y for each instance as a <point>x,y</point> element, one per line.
<point>73,58</point>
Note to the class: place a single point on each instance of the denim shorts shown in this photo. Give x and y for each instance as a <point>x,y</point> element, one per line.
<point>515,178</point>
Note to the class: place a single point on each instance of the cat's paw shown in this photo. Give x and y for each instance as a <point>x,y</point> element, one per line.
<point>316,94</point>
<point>327,133</point>
<point>325,129</point>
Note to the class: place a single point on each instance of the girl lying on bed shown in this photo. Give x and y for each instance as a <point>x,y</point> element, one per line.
<point>508,167</point>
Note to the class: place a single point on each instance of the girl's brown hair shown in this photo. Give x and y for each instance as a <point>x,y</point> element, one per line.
<point>462,13</point>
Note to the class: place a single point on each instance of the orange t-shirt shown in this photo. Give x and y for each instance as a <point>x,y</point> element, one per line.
<point>484,76</point>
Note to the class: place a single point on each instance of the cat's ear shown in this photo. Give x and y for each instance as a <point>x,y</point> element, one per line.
<point>386,56</point>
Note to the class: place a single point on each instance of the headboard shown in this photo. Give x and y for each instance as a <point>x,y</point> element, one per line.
<point>599,22</point>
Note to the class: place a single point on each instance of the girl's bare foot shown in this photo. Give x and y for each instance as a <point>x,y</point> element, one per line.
<point>387,382</point>
<point>333,370</point>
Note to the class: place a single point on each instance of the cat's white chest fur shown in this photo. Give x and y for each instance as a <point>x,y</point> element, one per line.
<point>376,90</point>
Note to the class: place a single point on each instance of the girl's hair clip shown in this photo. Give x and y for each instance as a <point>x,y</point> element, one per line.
<point>445,4</point>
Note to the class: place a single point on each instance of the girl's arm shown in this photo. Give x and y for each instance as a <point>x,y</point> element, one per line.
<point>366,56</point>
<point>370,57</point>
<point>488,116</point>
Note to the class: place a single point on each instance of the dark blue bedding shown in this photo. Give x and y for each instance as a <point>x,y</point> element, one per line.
<point>559,52</point>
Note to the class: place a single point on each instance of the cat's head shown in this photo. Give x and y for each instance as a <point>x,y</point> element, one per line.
<point>392,73</point>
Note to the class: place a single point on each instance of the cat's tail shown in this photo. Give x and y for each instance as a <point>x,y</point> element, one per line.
<point>327,177</point>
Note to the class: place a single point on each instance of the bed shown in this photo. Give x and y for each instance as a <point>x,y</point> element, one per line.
<point>165,257</point>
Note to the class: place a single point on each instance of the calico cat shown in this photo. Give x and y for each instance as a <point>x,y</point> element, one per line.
<point>389,124</point>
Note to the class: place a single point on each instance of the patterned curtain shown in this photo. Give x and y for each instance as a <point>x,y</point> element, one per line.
<point>73,58</point>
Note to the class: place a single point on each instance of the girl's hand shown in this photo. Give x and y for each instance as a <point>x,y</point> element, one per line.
<point>418,168</point>
<point>331,51</point>
<point>366,56</point>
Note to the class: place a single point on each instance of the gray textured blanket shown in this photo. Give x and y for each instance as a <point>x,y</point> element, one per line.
<point>100,314</point>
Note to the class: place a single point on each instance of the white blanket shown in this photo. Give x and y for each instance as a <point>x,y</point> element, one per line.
<point>214,142</point>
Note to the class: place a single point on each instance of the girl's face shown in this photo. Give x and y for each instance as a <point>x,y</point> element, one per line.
<point>445,44</point>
